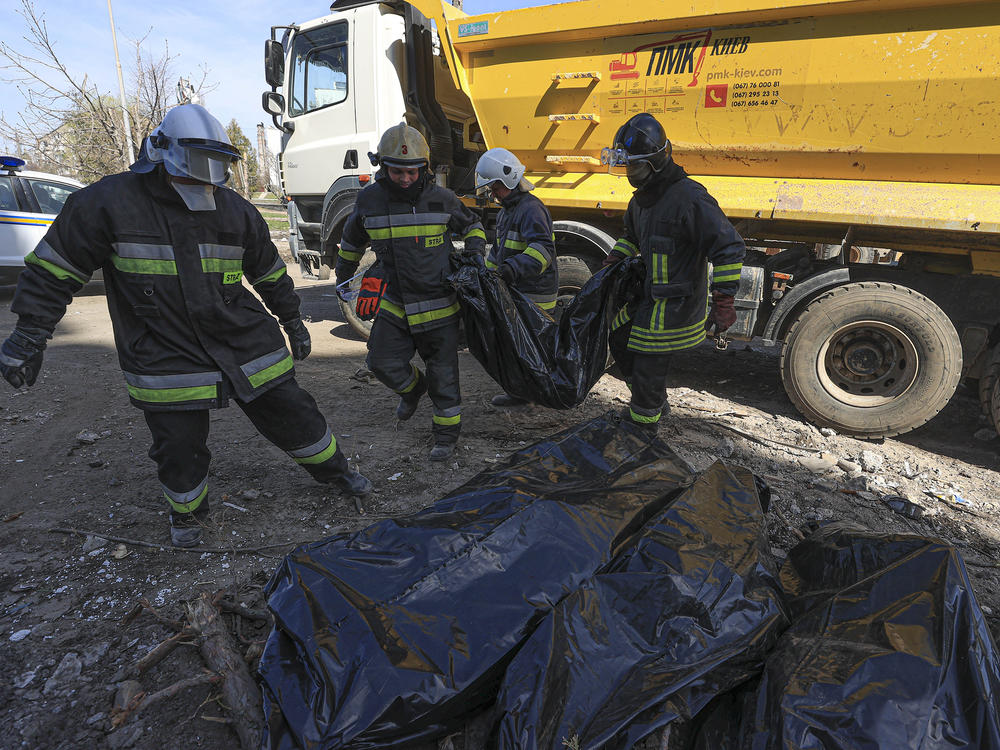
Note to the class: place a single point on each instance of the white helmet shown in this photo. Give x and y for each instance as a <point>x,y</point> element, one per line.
<point>499,164</point>
<point>191,143</point>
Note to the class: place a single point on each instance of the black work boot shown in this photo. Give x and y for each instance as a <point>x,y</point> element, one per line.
<point>505,400</point>
<point>354,483</point>
<point>442,451</point>
<point>185,528</point>
<point>408,401</point>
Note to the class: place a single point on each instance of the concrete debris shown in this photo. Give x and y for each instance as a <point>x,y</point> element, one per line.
<point>65,676</point>
<point>871,461</point>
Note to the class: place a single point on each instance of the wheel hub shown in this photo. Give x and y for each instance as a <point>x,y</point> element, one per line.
<point>867,363</point>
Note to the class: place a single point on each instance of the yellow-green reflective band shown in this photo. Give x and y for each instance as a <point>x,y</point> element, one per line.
<point>643,419</point>
<point>475,233</point>
<point>491,265</point>
<point>447,420</point>
<point>665,346</point>
<point>515,245</point>
<point>546,305</point>
<point>350,255</point>
<point>139,265</point>
<point>660,268</point>
<point>221,265</point>
<point>624,246</point>
<point>59,273</point>
<point>172,395</point>
<point>728,267</point>
<point>427,317</point>
<point>537,256</point>
<point>272,276</point>
<point>391,308</point>
<point>727,277</point>
<point>189,506</point>
<point>322,456</point>
<point>413,382</point>
<point>270,373</point>
<point>418,230</point>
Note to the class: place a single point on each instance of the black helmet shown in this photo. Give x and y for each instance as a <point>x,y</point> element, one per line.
<point>641,146</point>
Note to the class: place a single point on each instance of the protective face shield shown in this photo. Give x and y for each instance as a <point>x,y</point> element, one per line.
<point>190,143</point>
<point>641,149</point>
<point>402,146</point>
<point>500,165</point>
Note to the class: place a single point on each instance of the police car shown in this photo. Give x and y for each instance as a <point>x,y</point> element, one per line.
<point>29,201</point>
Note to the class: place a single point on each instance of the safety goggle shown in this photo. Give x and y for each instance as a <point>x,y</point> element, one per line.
<point>619,157</point>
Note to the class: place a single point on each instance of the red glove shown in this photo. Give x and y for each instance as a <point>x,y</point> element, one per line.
<point>611,258</point>
<point>722,315</point>
<point>369,297</point>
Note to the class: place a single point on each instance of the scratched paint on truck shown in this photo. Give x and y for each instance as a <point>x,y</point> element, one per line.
<point>904,95</point>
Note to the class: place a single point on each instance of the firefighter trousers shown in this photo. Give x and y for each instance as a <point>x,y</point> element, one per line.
<point>390,351</point>
<point>646,375</point>
<point>286,415</point>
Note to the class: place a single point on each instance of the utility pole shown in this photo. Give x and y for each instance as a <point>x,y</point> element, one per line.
<point>121,90</point>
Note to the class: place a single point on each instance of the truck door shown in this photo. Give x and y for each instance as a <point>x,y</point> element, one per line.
<point>321,106</point>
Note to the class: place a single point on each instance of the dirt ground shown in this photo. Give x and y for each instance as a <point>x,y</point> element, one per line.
<point>73,456</point>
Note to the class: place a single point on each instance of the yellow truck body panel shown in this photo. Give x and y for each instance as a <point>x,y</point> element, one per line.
<point>848,111</point>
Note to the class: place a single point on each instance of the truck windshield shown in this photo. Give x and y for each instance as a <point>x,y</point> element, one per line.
<point>319,69</point>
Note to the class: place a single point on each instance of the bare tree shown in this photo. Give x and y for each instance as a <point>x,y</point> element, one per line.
<point>69,125</point>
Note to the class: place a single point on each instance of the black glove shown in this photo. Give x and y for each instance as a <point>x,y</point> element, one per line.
<point>342,276</point>
<point>507,273</point>
<point>21,356</point>
<point>722,315</point>
<point>298,338</point>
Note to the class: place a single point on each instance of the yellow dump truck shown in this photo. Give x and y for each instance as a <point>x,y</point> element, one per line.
<point>855,145</point>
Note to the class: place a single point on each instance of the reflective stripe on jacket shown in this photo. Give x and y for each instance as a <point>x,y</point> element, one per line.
<point>525,243</point>
<point>413,241</point>
<point>189,333</point>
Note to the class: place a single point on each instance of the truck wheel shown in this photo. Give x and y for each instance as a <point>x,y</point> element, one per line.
<point>871,359</point>
<point>989,388</point>
<point>361,327</point>
<point>573,274</point>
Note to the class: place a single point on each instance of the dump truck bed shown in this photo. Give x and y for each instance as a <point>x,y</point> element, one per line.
<point>847,112</point>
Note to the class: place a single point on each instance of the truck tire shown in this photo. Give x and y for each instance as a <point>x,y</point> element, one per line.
<point>871,359</point>
<point>361,327</point>
<point>989,388</point>
<point>573,274</point>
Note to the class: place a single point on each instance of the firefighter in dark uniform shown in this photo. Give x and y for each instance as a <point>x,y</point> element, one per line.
<point>524,253</point>
<point>174,247</point>
<point>409,220</point>
<point>677,228</point>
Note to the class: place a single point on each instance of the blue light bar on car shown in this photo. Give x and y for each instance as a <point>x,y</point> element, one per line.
<point>11,162</point>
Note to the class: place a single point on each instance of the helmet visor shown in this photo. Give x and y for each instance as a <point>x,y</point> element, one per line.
<point>199,159</point>
<point>618,160</point>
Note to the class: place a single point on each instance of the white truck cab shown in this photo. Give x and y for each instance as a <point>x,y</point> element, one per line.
<point>344,79</point>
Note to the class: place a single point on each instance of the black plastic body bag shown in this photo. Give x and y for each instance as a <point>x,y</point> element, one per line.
<point>531,355</point>
<point>888,648</point>
<point>399,632</point>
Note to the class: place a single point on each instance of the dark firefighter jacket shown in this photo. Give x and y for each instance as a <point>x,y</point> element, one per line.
<point>677,228</point>
<point>189,334</point>
<point>412,241</point>
<point>525,243</point>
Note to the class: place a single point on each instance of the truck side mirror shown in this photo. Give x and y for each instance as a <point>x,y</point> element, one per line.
<point>273,103</point>
<point>274,63</point>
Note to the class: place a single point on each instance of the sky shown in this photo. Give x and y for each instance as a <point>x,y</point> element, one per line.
<point>226,36</point>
